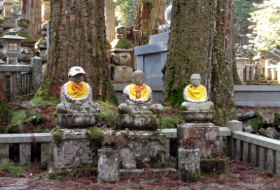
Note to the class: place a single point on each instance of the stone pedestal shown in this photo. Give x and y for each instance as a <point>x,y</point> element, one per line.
<point>139,121</point>
<point>207,135</point>
<point>188,164</point>
<point>123,74</point>
<point>144,148</point>
<point>108,166</point>
<point>74,150</point>
<point>199,116</point>
<point>76,120</point>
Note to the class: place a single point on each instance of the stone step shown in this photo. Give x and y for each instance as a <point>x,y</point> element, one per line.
<point>165,171</point>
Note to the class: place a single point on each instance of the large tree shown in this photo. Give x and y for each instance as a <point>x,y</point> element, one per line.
<point>110,20</point>
<point>3,106</point>
<point>201,42</point>
<point>149,14</point>
<point>77,38</point>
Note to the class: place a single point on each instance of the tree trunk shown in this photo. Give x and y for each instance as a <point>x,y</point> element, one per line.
<point>77,38</point>
<point>110,20</point>
<point>200,42</point>
<point>223,64</point>
<point>3,106</point>
<point>148,16</point>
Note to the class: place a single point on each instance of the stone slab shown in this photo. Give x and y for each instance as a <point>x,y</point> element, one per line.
<point>257,140</point>
<point>139,121</point>
<point>75,149</point>
<point>25,153</point>
<point>25,138</point>
<point>262,156</point>
<point>278,163</point>
<point>253,157</point>
<point>238,152</point>
<point>36,63</point>
<point>123,74</point>
<point>4,152</point>
<point>270,160</point>
<point>143,148</point>
<point>208,137</point>
<point>133,172</point>
<point>163,37</point>
<point>224,131</point>
<point>151,48</point>
<point>235,125</point>
<point>77,120</point>
<point>245,152</point>
<point>46,153</point>
<point>15,68</point>
<point>197,116</point>
<point>169,133</point>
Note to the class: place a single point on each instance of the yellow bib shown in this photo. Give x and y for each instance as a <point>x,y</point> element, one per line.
<point>77,90</point>
<point>196,93</point>
<point>138,92</point>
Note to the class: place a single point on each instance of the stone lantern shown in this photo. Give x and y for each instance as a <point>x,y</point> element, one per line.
<point>11,47</point>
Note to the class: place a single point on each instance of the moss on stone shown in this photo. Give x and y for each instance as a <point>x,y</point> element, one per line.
<point>188,176</point>
<point>276,118</point>
<point>56,134</point>
<point>108,45</point>
<point>42,98</point>
<point>209,166</point>
<point>123,44</point>
<point>256,122</point>
<point>108,118</point>
<point>1,20</point>
<point>17,116</point>
<point>168,122</point>
<point>96,136</point>
<point>23,20</point>
<point>30,39</point>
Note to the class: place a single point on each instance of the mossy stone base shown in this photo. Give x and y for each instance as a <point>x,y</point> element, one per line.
<point>143,148</point>
<point>76,120</point>
<point>199,116</point>
<point>74,149</point>
<point>209,166</point>
<point>139,121</point>
<point>188,164</point>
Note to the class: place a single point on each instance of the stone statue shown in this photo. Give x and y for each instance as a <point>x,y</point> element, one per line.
<point>76,101</point>
<point>195,96</point>
<point>138,97</point>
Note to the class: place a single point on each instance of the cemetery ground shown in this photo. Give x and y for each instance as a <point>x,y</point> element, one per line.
<point>236,176</point>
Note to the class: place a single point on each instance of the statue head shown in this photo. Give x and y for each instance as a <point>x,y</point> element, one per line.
<point>138,77</point>
<point>195,80</point>
<point>76,74</point>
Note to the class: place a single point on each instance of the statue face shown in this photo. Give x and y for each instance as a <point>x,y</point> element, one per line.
<point>195,81</point>
<point>139,79</point>
<point>77,78</point>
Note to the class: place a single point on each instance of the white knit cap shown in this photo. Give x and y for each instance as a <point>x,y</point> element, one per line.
<point>76,70</point>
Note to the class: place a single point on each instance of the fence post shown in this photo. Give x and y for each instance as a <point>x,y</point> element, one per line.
<point>36,64</point>
<point>16,85</point>
<point>266,69</point>
<point>233,125</point>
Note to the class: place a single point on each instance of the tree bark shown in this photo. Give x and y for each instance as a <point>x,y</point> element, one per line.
<point>3,106</point>
<point>77,38</point>
<point>147,17</point>
<point>110,20</point>
<point>201,42</point>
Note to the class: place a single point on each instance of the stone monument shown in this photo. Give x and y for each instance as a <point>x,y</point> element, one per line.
<point>9,21</point>
<point>42,48</point>
<point>146,145</point>
<point>77,111</point>
<point>197,111</point>
<point>121,57</point>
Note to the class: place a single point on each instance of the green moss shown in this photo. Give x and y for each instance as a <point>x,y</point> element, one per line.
<point>56,134</point>
<point>177,98</point>
<point>9,167</point>
<point>17,116</point>
<point>107,106</point>
<point>1,20</point>
<point>57,175</point>
<point>23,20</point>
<point>170,122</point>
<point>209,166</point>
<point>276,118</point>
<point>42,98</point>
<point>108,118</point>
<point>188,176</point>
<point>256,122</point>
<point>96,135</point>
<point>54,114</point>
<point>108,45</point>
<point>123,44</point>
<point>30,39</point>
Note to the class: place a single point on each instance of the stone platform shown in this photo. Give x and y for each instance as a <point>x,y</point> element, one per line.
<point>199,116</point>
<point>208,138</point>
<point>75,120</point>
<point>143,148</point>
<point>139,121</point>
<point>75,149</point>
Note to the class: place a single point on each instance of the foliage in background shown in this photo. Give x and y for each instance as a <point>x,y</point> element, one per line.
<point>266,24</point>
<point>16,9</point>
<point>242,10</point>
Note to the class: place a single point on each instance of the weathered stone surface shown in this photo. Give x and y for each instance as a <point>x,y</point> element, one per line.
<point>26,54</point>
<point>245,114</point>
<point>144,148</point>
<point>46,153</point>
<point>15,68</point>
<point>36,63</point>
<point>269,132</point>
<point>267,117</point>
<point>75,149</point>
<point>208,138</point>
<point>24,138</point>
<point>197,115</point>
<point>234,125</point>
<point>9,22</point>
<point>44,69</point>
<point>188,164</point>
<point>198,106</point>
<point>4,152</point>
<point>139,121</point>
<point>108,166</point>
<point>25,153</point>
<point>123,74</point>
<point>248,129</point>
<point>42,43</point>
<point>121,58</point>
<point>73,120</point>
<point>18,128</point>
